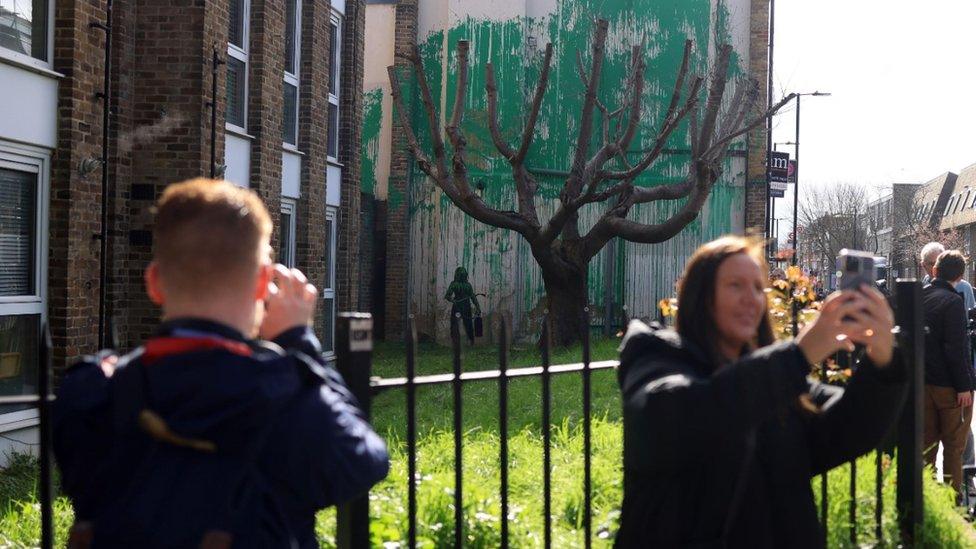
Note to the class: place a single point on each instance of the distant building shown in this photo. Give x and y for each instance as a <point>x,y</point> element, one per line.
<point>886,230</point>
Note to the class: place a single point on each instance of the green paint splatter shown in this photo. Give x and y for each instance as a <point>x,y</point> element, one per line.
<point>372,123</point>
<point>515,48</point>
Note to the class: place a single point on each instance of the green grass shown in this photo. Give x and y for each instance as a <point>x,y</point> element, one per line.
<point>944,526</point>
<point>480,399</point>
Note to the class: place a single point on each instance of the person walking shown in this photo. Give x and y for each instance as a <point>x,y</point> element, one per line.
<point>949,380</point>
<point>723,430</point>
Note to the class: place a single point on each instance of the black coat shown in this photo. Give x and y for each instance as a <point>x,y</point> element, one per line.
<point>689,435</point>
<point>947,358</point>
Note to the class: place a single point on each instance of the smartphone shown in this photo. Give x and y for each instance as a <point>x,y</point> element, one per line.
<point>855,268</point>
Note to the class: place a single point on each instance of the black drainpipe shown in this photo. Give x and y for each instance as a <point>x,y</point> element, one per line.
<point>102,236</point>
<point>214,63</point>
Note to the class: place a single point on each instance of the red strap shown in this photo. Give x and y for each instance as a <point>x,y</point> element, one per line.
<point>161,347</point>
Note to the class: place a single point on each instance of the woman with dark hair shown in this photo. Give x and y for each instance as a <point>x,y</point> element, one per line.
<point>723,431</point>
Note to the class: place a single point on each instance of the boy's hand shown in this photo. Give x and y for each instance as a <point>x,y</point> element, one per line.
<point>291,303</point>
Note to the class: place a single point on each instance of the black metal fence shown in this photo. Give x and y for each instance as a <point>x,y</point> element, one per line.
<point>355,365</point>
<point>354,355</point>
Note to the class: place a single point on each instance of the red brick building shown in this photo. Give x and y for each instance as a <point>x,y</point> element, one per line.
<point>288,112</point>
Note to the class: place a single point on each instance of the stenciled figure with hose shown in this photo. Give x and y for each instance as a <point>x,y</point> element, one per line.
<point>463,300</point>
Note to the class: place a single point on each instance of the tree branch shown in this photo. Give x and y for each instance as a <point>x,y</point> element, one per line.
<point>469,202</point>
<point>661,140</point>
<point>458,143</point>
<point>716,90</point>
<point>423,160</point>
<point>748,127</point>
<point>540,90</point>
<point>496,134</point>
<point>574,182</point>
<point>429,109</point>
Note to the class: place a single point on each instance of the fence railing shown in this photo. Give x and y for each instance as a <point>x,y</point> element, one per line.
<point>910,334</point>
<point>354,358</point>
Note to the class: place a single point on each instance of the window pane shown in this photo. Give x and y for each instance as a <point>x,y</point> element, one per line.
<point>18,208</point>
<point>328,330</point>
<point>19,337</point>
<point>23,27</point>
<point>290,129</point>
<point>333,145</point>
<point>236,106</point>
<point>329,242</point>
<point>236,33</point>
<point>333,59</point>
<point>286,239</point>
<point>291,28</point>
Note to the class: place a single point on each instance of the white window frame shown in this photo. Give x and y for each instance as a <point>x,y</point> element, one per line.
<point>242,55</point>
<point>336,56</point>
<point>289,206</point>
<point>294,78</point>
<point>38,161</point>
<point>328,290</point>
<point>18,58</point>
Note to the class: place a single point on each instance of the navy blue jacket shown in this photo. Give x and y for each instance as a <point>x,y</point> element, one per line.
<point>286,438</point>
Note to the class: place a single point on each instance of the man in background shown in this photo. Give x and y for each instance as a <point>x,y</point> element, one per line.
<point>948,365</point>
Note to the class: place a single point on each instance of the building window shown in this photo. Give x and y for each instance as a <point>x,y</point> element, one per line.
<point>18,207</point>
<point>23,227</point>
<point>290,121</point>
<point>25,27</point>
<point>335,45</point>
<point>328,290</point>
<point>334,56</point>
<point>287,252</point>
<point>237,59</point>
<point>333,141</point>
<point>293,18</point>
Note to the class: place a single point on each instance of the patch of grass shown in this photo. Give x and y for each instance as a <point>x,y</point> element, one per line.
<point>20,510</point>
<point>480,399</point>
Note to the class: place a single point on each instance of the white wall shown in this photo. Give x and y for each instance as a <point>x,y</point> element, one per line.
<point>291,174</point>
<point>28,106</point>
<point>333,179</point>
<point>237,159</point>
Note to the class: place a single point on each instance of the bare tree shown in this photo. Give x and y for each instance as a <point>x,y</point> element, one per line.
<point>916,227</point>
<point>832,219</point>
<point>605,175</point>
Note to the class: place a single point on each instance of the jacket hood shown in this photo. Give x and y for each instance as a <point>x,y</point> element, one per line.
<point>653,339</point>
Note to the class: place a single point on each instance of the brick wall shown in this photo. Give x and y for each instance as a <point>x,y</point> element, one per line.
<point>397,217</point>
<point>350,147</point>
<point>266,67</point>
<point>75,198</point>
<point>755,218</point>
<point>313,111</point>
<point>161,133</point>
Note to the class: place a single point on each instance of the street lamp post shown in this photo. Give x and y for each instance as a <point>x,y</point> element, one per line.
<point>796,173</point>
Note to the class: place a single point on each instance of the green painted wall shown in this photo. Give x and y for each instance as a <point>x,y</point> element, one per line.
<point>512,35</point>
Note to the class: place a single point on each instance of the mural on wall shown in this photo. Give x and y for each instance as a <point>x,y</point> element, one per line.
<point>511,34</point>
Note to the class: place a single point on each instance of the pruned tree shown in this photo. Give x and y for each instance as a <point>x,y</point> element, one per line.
<point>604,173</point>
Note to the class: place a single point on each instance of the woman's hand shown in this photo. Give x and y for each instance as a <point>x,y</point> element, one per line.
<point>827,334</point>
<point>872,326</point>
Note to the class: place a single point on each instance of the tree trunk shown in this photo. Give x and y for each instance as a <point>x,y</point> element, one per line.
<point>566,294</point>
